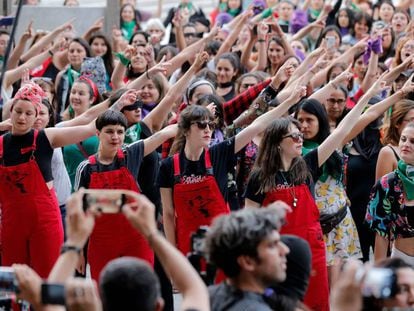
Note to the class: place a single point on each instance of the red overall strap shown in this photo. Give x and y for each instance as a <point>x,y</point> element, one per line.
<point>33,146</point>
<point>207,162</point>
<point>92,159</point>
<point>1,146</point>
<point>120,154</point>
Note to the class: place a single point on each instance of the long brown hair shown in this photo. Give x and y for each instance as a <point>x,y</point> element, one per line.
<point>187,117</point>
<point>399,111</point>
<point>269,161</point>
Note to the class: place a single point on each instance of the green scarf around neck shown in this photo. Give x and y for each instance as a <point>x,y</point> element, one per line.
<point>128,29</point>
<point>406,173</point>
<point>307,147</point>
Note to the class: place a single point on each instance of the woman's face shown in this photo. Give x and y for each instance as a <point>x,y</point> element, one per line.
<point>76,54</point>
<point>46,87</point>
<point>309,124</point>
<point>42,119</point>
<point>138,61</point>
<point>332,33</point>
<point>247,82</point>
<point>399,22</point>
<point>149,93</point>
<point>407,50</point>
<point>409,117</point>
<point>360,68</point>
<point>385,12</point>
<point>298,46</point>
<point>23,116</point>
<point>386,38</point>
<point>285,11</point>
<point>139,39</point>
<point>406,145</point>
<point>361,28</point>
<point>234,4</point>
<point>127,14</point>
<point>132,116</point>
<point>199,92</point>
<point>80,97</point>
<point>197,136</point>
<point>404,298</point>
<point>336,71</point>
<point>225,71</point>
<point>317,4</point>
<point>275,53</point>
<point>290,146</point>
<point>335,104</point>
<point>99,47</point>
<point>343,19</point>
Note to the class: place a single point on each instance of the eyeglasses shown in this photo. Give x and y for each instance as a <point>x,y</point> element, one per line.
<point>190,35</point>
<point>203,124</point>
<point>296,136</point>
<point>332,101</point>
<point>247,85</point>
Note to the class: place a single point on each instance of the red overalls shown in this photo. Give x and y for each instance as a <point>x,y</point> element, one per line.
<point>196,204</point>
<point>113,236</point>
<point>304,222</point>
<point>32,230</point>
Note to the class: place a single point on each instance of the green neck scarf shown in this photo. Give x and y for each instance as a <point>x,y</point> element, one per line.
<point>233,12</point>
<point>307,147</point>
<point>72,75</point>
<point>133,133</point>
<point>406,173</point>
<point>314,13</point>
<point>128,29</point>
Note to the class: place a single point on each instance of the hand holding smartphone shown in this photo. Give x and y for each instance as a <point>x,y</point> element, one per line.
<point>105,201</point>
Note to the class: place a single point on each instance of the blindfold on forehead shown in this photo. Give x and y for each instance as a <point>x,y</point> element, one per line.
<point>134,106</point>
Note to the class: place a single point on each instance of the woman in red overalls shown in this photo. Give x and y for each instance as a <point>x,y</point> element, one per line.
<point>31,226</point>
<point>280,173</point>
<point>194,180</point>
<point>116,168</point>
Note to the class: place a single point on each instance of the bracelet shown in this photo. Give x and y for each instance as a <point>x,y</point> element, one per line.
<point>124,61</point>
<point>266,13</point>
<point>261,40</point>
<point>50,53</point>
<point>147,75</point>
<point>70,248</point>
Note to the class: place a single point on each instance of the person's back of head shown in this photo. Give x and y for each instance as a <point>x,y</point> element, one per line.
<point>129,284</point>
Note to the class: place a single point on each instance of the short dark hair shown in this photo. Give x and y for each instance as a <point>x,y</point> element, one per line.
<point>239,234</point>
<point>129,284</point>
<point>111,117</point>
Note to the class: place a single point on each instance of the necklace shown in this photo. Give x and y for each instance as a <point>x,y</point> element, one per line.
<point>290,188</point>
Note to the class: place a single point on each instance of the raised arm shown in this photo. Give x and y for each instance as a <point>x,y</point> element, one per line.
<point>96,26</point>
<point>117,78</point>
<point>262,30</point>
<point>154,141</point>
<point>337,137</point>
<point>177,267</point>
<point>59,137</point>
<point>17,52</point>
<point>262,122</point>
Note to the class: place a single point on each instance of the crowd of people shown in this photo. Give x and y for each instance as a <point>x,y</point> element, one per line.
<point>286,128</point>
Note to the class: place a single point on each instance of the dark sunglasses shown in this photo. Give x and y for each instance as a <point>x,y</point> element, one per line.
<point>296,137</point>
<point>190,35</point>
<point>203,124</point>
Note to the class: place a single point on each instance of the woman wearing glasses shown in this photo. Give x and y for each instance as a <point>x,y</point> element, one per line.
<point>194,180</point>
<point>280,173</point>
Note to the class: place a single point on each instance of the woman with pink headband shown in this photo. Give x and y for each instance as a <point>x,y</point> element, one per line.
<point>32,229</point>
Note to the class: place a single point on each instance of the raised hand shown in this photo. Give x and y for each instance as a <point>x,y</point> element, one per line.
<point>161,67</point>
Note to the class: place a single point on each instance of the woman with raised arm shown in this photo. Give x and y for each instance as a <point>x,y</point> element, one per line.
<point>32,228</point>
<point>194,180</point>
<point>280,173</point>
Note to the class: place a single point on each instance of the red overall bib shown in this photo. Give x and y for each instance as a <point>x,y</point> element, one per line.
<point>196,204</point>
<point>304,222</point>
<point>113,236</point>
<point>32,230</point>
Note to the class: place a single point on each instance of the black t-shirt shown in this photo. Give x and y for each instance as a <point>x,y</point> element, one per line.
<point>283,178</point>
<point>222,160</point>
<point>147,177</point>
<point>12,145</point>
<point>226,297</point>
<point>133,160</point>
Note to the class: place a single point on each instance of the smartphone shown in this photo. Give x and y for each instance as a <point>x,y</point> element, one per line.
<point>330,42</point>
<point>6,21</point>
<point>8,280</point>
<point>104,201</point>
<point>198,240</point>
<point>380,283</point>
<point>53,294</point>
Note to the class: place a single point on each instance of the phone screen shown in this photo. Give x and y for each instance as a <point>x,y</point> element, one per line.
<point>103,201</point>
<point>53,294</point>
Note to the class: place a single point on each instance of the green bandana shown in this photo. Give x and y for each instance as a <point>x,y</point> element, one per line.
<point>188,5</point>
<point>406,173</point>
<point>133,133</point>
<point>307,147</point>
<point>233,12</point>
<point>128,29</point>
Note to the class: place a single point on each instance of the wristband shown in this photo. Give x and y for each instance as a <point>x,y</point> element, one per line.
<point>124,61</point>
<point>266,13</point>
<point>261,40</point>
<point>50,53</point>
<point>147,75</point>
<point>70,248</point>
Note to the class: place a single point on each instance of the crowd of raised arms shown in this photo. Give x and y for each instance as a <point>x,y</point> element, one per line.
<point>260,157</point>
